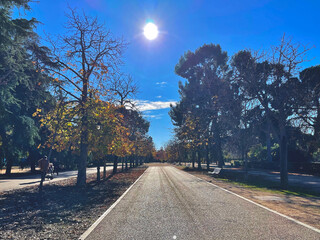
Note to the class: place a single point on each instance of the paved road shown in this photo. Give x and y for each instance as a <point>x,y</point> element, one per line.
<point>21,182</point>
<point>167,203</point>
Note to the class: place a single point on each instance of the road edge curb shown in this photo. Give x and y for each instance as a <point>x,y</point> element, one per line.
<point>259,205</point>
<point>95,224</point>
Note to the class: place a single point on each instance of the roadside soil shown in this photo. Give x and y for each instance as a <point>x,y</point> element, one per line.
<point>62,211</point>
<point>301,208</point>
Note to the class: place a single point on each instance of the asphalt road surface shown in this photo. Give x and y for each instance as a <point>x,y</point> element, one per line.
<point>167,203</point>
<point>21,182</point>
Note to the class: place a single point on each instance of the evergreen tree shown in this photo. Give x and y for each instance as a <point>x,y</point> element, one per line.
<point>23,83</point>
<point>206,100</point>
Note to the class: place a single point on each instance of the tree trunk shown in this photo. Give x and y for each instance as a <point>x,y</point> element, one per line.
<point>283,159</point>
<point>49,156</point>
<point>32,159</point>
<point>122,164</point>
<point>115,164</point>
<point>199,160</point>
<point>82,163</point>
<point>104,169</point>
<point>131,164</point>
<point>207,158</point>
<point>98,171</point>
<point>269,156</point>
<point>219,153</point>
<point>33,165</point>
<point>193,159</point>
<point>9,165</point>
<point>218,146</point>
<point>245,164</point>
<point>126,160</point>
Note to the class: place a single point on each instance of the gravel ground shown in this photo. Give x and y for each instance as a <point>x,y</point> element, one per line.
<point>62,211</point>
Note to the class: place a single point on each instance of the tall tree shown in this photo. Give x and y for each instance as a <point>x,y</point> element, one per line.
<point>309,110</point>
<point>88,56</point>
<point>205,95</point>
<point>23,82</point>
<point>272,84</point>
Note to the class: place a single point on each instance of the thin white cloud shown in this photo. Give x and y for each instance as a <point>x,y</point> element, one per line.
<point>159,96</point>
<point>154,116</point>
<point>162,84</point>
<point>145,105</point>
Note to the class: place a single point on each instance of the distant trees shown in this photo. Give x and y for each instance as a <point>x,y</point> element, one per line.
<point>138,128</point>
<point>234,102</point>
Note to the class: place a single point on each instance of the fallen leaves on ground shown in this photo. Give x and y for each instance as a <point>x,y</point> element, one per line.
<point>62,211</point>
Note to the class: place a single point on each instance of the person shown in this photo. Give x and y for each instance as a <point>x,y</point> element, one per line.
<point>44,166</point>
<point>50,171</point>
<point>56,166</point>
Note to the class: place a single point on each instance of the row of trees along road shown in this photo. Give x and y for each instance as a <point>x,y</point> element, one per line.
<point>228,106</point>
<point>69,97</point>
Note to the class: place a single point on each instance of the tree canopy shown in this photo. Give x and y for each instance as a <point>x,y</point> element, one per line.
<point>23,82</point>
<point>236,101</point>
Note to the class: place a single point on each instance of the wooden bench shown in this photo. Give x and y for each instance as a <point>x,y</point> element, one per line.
<point>216,171</point>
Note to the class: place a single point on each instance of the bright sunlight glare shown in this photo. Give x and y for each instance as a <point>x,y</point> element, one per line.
<point>151,31</point>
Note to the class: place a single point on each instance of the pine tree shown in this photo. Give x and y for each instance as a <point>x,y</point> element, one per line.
<point>22,82</point>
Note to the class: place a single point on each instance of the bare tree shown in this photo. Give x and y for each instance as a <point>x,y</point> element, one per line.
<point>124,89</point>
<point>88,56</point>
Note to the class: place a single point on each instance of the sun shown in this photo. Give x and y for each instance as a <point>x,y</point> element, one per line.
<point>151,31</point>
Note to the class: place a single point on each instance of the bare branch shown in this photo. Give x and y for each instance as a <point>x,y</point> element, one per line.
<point>125,89</point>
<point>68,92</point>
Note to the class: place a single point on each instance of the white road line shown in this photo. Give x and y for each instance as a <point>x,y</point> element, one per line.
<point>273,211</point>
<point>95,224</point>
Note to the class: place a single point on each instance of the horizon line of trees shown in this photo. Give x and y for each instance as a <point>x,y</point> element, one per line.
<point>69,99</point>
<point>255,104</point>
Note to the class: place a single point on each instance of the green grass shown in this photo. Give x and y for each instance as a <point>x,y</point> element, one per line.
<point>272,187</point>
<point>261,184</point>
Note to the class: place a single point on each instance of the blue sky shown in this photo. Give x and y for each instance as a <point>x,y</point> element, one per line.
<point>186,25</point>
